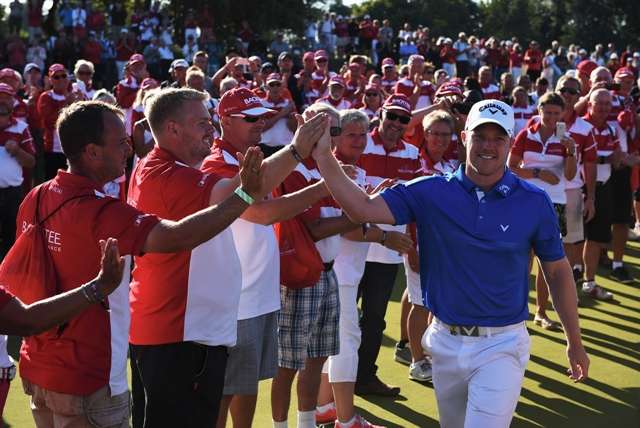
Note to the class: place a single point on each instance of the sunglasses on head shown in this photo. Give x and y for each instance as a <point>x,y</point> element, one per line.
<point>59,76</point>
<point>393,116</point>
<point>335,131</point>
<point>571,91</point>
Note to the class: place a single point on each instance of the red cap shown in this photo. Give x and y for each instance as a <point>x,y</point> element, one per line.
<point>274,77</point>
<point>7,72</point>
<point>241,101</point>
<point>586,66</point>
<point>337,80</point>
<point>388,62</point>
<point>397,102</point>
<point>149,83</point>
<point>55,68</point>
<point>624,72</point>
<point>448,90</point>
<point>307,55</point>
<point>136,58</point>
<point>321,54</point>
<point>7,89</point>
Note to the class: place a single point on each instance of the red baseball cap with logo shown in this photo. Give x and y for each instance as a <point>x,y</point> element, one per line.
<point>337,80</point>
<point>624,72</point>
<point>7,89</point>
<point>586,66</point>
<point>397,102</point>
<point>136,58</point>
<point>321,54</point>
<point>447,90</point>
<point>241,102</point>
<point>388,62</point>
<point>56,68</point>
<point>274,77</point>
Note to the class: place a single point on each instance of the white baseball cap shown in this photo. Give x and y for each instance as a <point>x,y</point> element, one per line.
<point>491,111</point>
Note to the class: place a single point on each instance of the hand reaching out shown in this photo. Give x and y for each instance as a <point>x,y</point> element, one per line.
<point>252,172</point>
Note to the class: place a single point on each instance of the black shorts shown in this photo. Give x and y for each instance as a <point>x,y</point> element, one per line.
<point>599,228</point>
<point>621,193</point>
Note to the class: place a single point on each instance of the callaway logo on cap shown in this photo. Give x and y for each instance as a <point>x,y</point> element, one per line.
<point>242,102</point>
<point>491,111</point>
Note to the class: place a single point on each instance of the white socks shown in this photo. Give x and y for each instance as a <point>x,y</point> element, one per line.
<point>326,407</point>
<point>307,419</point>
<point>616,265</point>
<point>349,424</point>
<point>282,424</point>
<point>577,267</point>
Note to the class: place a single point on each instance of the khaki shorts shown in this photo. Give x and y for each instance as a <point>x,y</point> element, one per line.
<point>574,217</point>
<point>97,410</point>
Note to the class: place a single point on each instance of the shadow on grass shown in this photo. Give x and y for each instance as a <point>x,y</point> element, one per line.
<point>612,324</point>
<point>397,407</point>
<point>608,340</point>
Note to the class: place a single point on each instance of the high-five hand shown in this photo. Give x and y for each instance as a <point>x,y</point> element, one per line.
<point>323,147</point>
<point>252,173</point>
<point>308,133</point>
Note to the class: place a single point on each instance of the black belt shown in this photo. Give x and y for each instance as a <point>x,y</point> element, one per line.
<point>328,266</point>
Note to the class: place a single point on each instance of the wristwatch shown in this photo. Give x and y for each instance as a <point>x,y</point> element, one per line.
<point>536,172</point>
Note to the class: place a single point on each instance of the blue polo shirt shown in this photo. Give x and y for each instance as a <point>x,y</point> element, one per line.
<point>474,251</point>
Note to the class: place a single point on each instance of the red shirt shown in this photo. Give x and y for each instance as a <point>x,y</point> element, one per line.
<point>189,295</point>
<point>79,361</point>
<point>533,58</point>
<point>92,51</point>
<point>515,59</point>
<point>49,106</point>
<point>126,92</point>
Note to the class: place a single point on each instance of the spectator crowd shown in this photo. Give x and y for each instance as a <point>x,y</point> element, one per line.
<point>196,155</point>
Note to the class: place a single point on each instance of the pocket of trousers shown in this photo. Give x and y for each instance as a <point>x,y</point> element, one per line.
<point>103,410</point>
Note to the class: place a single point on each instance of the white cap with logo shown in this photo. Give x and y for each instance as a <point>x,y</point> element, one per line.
<point>491,111</point>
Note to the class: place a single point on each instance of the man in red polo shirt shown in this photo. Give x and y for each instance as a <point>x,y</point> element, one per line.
<point>50,103</point>
<point>16,152</point>
<point>77,374</point>
<point>335,98</point>
<point>252,360</point>
<point>489,89</point>
<point>386,155</point>
<point>533,60</point>
<point>419,91</point>
<point>184,306</point>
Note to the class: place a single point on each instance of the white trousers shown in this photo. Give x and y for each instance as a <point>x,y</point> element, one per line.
<point>344,366</point>
<point>477,380</point>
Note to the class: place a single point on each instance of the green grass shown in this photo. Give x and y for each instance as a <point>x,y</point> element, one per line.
<point>611,397</point>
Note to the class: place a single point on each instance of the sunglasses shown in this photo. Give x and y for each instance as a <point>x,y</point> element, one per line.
<point>59,76</point>
<point>335,131</point>
<point>371,94</point>
<point>392,116</point>
<point>571,91</point>
<point>274,84</point>
<point>321,60</point>
<point>251,119</point>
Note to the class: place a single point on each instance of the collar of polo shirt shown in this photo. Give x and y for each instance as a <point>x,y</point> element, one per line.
<point>503,187</point>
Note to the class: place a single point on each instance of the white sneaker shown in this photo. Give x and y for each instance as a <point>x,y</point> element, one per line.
<point>420,371</point>
<point>596,292</point>
<point>634,234</point>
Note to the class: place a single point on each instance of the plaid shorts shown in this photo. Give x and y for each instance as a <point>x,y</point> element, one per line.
<point>308,322</point>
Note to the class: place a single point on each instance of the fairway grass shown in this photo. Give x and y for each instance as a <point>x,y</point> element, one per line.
<point>610,398</point>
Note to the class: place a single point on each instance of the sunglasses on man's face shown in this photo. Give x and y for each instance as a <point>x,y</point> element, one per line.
<point>251,119</point>
<point>371,94</point>
<point>85,73</point>
<point>393,116</point>
<point>274,84</point>
<point>59,76</point>
<point>321,60</point>
<point>571,91</point>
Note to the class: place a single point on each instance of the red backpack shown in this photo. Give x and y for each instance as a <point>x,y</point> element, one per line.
<point>28,270</point>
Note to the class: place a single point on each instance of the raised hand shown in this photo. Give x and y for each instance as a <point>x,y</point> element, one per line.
<point>111,266</point>
<point>252,172</point>
<point>323,146</point>
<point>398,241</point>
<point>309,132</point>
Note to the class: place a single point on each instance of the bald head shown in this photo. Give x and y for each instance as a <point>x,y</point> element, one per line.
<point>600,74</point>
<point>600,105</point>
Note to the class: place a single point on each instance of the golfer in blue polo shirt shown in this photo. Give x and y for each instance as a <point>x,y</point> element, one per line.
<point>476,229</point>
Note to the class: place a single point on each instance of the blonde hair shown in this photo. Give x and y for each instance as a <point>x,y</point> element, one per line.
<point>80,63</point>
<point>438,116</point>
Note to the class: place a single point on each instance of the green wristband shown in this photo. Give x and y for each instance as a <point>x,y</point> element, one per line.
<point>243,195</point>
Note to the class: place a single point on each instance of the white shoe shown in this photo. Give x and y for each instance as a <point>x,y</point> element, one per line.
<point>634,234</point>
<point>421,371</point>
<point>596,292</point>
